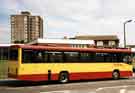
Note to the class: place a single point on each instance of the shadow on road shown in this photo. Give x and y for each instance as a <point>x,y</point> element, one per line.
<point>18,83</point>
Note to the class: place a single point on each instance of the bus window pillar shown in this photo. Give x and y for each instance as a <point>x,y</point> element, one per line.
<point>19,56</point>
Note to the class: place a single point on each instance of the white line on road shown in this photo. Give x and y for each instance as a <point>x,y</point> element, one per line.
<point>63,91</point>
<point>68,91</point>
<point>123,91</point>
<point>99,89</point>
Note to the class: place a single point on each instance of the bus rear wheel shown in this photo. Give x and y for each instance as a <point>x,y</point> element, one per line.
<point>63,77</point>
<point>116,75</point>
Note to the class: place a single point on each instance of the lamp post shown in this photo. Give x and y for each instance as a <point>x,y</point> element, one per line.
<point>125,32</point>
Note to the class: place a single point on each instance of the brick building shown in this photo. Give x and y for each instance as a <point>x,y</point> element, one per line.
<point>109,41</point>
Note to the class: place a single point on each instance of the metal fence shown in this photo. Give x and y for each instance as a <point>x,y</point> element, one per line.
<point>3,69</point>
<point>4,56</point>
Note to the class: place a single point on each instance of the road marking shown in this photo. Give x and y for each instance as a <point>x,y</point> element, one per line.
<point>92,92</point>
<point>99,89</point>
<point>63,91</point>
<point>66,91</point>
<point>122,90</point>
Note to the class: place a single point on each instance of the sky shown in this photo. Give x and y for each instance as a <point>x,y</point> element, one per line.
<point>73,17</point>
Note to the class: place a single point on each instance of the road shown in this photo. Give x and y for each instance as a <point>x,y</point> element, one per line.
<point>98,86</point>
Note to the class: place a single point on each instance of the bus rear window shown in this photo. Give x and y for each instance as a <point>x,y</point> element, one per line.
<point>13,54</point>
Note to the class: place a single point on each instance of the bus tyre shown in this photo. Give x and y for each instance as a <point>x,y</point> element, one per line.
<point>63,77</point>
<point>116,75</point>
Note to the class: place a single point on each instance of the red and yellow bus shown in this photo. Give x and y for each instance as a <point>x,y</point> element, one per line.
<point>44,63</point>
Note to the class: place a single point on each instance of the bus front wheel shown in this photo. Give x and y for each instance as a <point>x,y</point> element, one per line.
<point>116,75</point>
<point>63,77</point>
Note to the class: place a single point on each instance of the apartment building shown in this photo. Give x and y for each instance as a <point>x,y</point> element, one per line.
<point>26,27</point>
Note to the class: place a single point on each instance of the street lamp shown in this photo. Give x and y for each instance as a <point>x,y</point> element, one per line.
<point>125,32</point>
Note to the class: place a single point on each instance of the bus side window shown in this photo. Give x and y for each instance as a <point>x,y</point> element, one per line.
<point>119,57</point>
<point>39,57</point>
<point>71,57</point>
<point>45,56</point>
<point>86,57</point>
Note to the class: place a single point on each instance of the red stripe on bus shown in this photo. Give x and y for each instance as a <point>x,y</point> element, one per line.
<point>72,76</point>
<point>97,75</point>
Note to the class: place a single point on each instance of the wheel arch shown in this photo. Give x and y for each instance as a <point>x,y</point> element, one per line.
<point>116,70</point>
<point>64,71</point>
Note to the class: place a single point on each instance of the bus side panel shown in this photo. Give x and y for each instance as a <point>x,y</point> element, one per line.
<point>34,71</point>
<point>73,76</point>
<point>125,70</point>
<point>37,77</point>
<point>126,73</point>
<point>34,77</point>
<point>13,67</point>
<point>90,75</point>
<point>97,75</point>
<point>77,71</point>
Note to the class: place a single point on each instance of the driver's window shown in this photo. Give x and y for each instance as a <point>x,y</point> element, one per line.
<point>127,59</point>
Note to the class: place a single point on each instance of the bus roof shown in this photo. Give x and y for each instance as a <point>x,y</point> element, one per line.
<point>103,50</point>
<point>61,41</point>
<point>8,45</point>
<point>5,45</point>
